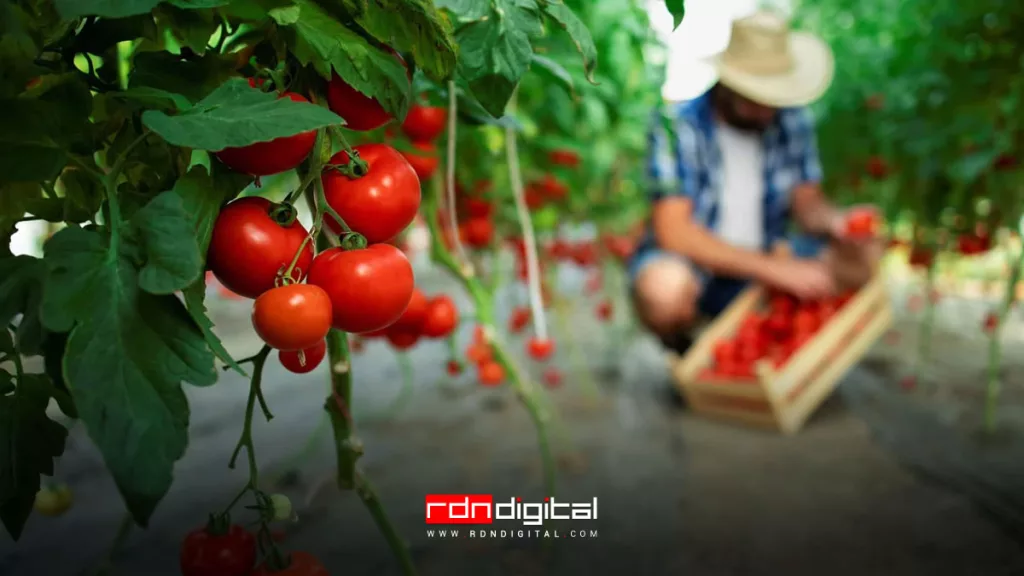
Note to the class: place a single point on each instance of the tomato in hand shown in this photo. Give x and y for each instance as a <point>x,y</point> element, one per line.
<point>293,317</point>
<point>861,223</point>
<point>360,112</point>
<point>206,553</point>
<point>380,204</point>
<point>299,564</point>
<point>369,288</point>
<point>424,123</point>
<point>490,373</point>
<point>273,157</point>
<point>441,317</point>
<point>306,360</point>
<point>424,164</point>
<point>248,248</point>
<point>540,349</point>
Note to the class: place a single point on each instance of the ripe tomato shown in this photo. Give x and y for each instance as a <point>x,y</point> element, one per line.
<point>566,158</point>
<point>805,322</point>
<point>454,368</point>
<point>519,319</point>
<point>478,232</point>
<point>380,204</point>
<point>402,338</point>
<point>877,167</point>
<point>360,112</point>
<point>539,349</point>
<point>479,353</point>
<point>778,325</point>
<point>414,315</point>
<point>209,554</point>
<point>725,352</point>
<point>299,564</point>
<point>990,323</point>
<point>534,198</point>
<point>490,373</point>
<point>273,157</point>
<point>782,304</point>
<point>301,362</point>
<point>479,334</point>
<point>369,288</point>
<point>861,223</point>
<point>478,207</point>
<point>53,501</point>
<point>441,317</point>
<point>604,311</point>
<point>552,188</point>
<point>424,123</point>
<point>423,164</point>
<point>584,254</point>
<point>248,248</point>
<point>552,377</point>
<point>292,317</point>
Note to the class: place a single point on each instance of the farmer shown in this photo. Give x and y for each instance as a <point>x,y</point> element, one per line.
<point>730,172</point>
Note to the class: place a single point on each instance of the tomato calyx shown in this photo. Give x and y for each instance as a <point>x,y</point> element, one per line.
<point>277,561</point>
<point>353,241</point>
<point>283,214</point>
<point>355,168</point>
<point>218,524</point>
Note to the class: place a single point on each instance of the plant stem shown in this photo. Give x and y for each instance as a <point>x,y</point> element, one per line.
<point>453,221</point>
<point>523,212</point>
<point>993,386</point>
<point>123,530</point>
<point>250,407</point>
<point>372,502</point>
<point>338,406</point>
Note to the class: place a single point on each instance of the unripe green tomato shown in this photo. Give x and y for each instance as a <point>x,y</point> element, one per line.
<point>281,506</point>
<point>546,218</point>
<point>54,501</point>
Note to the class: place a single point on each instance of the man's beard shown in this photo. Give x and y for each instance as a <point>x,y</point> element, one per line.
<point>743,124</point>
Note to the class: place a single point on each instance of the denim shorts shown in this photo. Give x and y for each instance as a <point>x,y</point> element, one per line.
<point>716,293</point>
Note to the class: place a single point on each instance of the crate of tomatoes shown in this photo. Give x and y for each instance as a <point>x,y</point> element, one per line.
<point>770,360</point>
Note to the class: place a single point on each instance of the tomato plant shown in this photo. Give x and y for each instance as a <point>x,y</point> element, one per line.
<point>218,549</point>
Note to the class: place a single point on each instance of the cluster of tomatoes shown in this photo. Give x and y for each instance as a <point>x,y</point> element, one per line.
<point>224,549</point>
<point>474,214</point>
<point>422,125</point>
<point>435,317</point>
<point>259,250</point>
<point>774,334</point>
<point>489,369</point>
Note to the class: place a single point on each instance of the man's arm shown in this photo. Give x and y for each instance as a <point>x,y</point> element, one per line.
<point>673,165</point>
<point>811,208</point>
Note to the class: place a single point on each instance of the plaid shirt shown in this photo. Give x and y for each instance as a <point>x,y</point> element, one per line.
<point>689,163</point>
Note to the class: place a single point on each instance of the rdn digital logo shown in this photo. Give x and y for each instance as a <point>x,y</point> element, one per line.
<point>480,509</point>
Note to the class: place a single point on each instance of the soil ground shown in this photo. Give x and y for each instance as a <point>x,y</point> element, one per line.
<point>678,494</point>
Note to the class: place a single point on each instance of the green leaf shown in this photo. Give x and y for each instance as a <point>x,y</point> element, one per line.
<point>15,200</point>
<point>319,40</point>
<point>194,79</point>
<point>21,287</point>
<point>125,360</point>
<point>678,11</point>
<point>192,29</point>
<point>568,20</point>
<point>235,115</point>
<point>105,8</point>
<point>164,232</point>
<point>416,27</point>
<point>556,71</point>
<point>99,35</point>
<point>464,10</point>
<point>195,296</point>
<point>29,443</point>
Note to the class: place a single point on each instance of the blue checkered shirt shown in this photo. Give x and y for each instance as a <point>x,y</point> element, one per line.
<point>689,163</point>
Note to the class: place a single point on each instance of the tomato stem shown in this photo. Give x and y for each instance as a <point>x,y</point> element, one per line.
<point>246,438</point>
<point>453,217</point>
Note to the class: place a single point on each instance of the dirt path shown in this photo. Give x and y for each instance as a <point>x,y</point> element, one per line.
<point>678,495</point>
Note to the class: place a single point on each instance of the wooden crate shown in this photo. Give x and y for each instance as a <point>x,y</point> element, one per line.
<point>783,398</point>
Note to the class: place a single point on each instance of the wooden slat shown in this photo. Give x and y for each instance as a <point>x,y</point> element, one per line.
<point>796,414</point>
<point>759,419</point>
<point>727,388</point>
<point>833,333</point>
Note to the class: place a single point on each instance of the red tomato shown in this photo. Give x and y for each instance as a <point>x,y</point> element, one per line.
<point>248,248</point>
<point>360,112</point>
<point>415,313</point>
<point>370,288</point>
<point>490,373</point>
<point>990,323</point>
<point>299,564</point>
<point>805,322</point>
<point>479,334</point>
<point>777,325</point>
<point>478,232</point>
<point>552,377</point>
<point>534,198</point>
<point>782,304</point>
<point>423,164</point>
<point>566,158</point>
<point>552,188</point>
<point>519,319</point>
<point>921,257</point>
<point>454,368</point>
<point>273,157</point>
<point>539,349</point>
<point>604,311</point>
<point>424,123</point>
<point>725,352</point>
<point>861,223</point>
<point>594,282</point>
<point>441,317</point>
<point>877,167</point>
<point>478,208</point>
<point>206,554</point>
<point>402,338</point>
<point>479,353</point>
<point>308,359</point>
<point>292,317</point>
<point>584,254</point>
<point>380,204</point>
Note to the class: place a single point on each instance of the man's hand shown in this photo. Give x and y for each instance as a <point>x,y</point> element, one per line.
<point>857,247</point>
<point>847,226</point>
<point>805,279</point>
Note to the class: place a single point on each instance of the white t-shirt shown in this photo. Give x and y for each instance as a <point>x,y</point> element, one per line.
<point>741,206</point>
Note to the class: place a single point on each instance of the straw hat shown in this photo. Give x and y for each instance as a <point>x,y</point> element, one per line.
<point>770,64</point>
